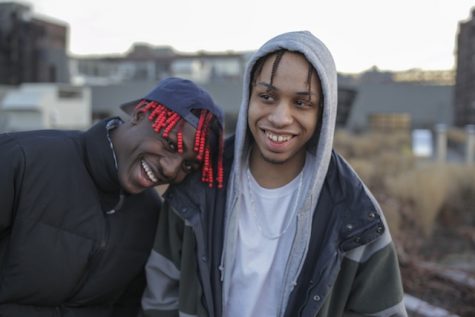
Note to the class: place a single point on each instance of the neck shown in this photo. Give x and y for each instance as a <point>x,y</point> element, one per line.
<point>273,175</point>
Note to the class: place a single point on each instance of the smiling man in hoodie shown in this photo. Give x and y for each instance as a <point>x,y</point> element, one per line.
<point>295,232</point>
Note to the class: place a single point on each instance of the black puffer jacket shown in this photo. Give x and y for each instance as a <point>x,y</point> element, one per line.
<point>61,253</point>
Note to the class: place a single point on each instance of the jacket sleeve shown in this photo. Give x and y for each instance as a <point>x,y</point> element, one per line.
<point>377,286</point>
<point>12,163</point>
<point>171,269</point>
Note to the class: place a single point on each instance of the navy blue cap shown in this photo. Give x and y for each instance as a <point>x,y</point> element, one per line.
<point>181,96</point>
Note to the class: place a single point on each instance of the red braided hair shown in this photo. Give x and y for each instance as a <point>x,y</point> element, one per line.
<point>167,120</point>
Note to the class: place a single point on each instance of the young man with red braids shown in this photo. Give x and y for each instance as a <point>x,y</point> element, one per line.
<point>294,231</point>
<point>78,210</point>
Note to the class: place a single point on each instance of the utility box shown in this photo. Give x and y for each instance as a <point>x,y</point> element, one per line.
<point>422,143</point>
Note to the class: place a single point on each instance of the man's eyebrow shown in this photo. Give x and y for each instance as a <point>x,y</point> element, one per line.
<point>173,136</point>
<point>186,145</point>
<point>267,85</point>
<point>272,87</point>
<point>306,93</point>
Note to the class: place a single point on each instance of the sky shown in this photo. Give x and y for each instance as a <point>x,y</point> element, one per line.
<point>391,35</point>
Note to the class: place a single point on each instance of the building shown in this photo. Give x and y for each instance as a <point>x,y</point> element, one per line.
<point>45,106</point>
<point>115,79</point>
<point>401,105</point>
<point>32,48</point>
<point>410,76</point>
<point>4,89</point>
<point>464,96</point>
<point>346,98</point>
<point>148,63</point>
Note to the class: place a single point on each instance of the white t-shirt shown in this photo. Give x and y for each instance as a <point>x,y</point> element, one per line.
<point>266,228</point>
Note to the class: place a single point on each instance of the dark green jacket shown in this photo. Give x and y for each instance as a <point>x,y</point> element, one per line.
<point>351,266</point>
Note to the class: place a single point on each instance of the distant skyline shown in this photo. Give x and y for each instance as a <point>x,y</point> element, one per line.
<point>391,35</point>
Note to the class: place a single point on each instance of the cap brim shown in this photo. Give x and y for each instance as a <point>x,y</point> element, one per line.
<point>129,107</point>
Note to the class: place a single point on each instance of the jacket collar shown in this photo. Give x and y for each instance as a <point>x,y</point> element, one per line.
<point>99,157</point>
<point>354,211</point>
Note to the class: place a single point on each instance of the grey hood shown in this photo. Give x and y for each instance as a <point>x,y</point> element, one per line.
<point>319,56</point>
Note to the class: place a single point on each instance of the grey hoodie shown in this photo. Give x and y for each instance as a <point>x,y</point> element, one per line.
<point>319,56</point>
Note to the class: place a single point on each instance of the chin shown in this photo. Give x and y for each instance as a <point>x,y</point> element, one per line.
<point>274,158</point>
<point>128,188</point>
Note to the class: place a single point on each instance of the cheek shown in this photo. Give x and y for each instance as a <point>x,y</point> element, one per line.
<point>180,177</point>
<point>309,122</point>
<point>254,112</point>
<point>152,145</point>
<point>123,176</point>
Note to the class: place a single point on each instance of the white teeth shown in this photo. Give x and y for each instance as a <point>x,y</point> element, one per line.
<point>278,138</point>
<point>149,171</point>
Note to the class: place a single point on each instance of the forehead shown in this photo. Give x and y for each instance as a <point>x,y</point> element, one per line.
<point>188,132</point>
<point>188,136</point>
<point>291,71</point>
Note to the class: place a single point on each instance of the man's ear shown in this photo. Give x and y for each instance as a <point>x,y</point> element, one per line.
<point>137,115</point>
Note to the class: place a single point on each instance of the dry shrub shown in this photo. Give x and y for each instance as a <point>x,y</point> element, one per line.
<point>365,169</point>
<point>391,209</point>
<point>371,145</point>
<point>356,146</point>
<point>343,143</point>
<point>412,192</point>
<point>375,156</point>
<point>391,162</point>
<point>366,146</point>
<point>459,207</point>
<point>429,208</point>
<point>425,190</point>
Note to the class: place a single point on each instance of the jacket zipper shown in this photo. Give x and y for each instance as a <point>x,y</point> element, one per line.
<point>308,293</point>
<point>94,260</point>
<point>203,269</point>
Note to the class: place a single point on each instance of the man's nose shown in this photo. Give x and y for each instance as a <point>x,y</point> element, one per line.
<point>281,114</point>
<point>170,166</point>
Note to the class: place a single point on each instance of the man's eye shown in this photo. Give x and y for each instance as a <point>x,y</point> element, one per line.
<point>303,103</point>
<point>187,167</point>
<point>191,166</point>
<point>265,97</point>
<point>171,145</point>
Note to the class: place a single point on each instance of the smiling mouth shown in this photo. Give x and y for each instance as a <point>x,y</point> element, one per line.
<point>148,171</point>
<point>278,138</point>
